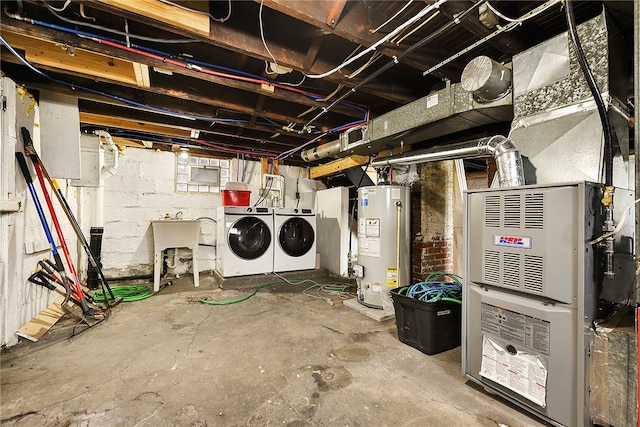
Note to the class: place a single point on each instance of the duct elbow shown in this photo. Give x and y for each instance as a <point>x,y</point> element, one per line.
<point>508,161</point>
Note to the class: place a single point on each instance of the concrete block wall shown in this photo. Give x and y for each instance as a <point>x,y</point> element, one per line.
<point>143,189</point>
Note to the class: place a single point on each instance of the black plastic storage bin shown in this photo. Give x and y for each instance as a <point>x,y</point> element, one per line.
<point>429,327</point>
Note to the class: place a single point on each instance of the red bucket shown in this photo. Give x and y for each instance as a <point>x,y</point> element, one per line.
<point>236,197</point>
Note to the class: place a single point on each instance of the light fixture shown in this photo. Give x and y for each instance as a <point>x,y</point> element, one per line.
<point>184,152</point>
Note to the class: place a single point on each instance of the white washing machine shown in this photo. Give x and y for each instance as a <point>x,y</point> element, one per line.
<point>245,240</point>
<point>294,239</point>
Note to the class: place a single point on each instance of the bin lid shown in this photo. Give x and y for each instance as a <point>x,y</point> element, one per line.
<point>236,186</point>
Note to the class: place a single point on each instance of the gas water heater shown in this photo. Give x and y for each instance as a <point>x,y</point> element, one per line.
<point>383,243</point>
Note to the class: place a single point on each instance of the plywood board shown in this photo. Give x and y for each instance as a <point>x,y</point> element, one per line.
<point>78,60</point>
<point>39,325</point>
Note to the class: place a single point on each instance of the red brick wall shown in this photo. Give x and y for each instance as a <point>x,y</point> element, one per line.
<point>431,250</point>
<point>433,255</point>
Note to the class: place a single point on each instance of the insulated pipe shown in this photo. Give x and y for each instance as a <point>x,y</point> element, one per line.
<point>508,160</point>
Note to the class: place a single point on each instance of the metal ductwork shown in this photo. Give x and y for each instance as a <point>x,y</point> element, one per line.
<point>507,157</point>
<point>444,112</point>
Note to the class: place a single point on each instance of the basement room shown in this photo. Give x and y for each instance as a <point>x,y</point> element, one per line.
<point>364,213</point>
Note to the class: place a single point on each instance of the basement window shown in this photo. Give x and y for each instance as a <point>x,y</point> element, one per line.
<point>201,174</point>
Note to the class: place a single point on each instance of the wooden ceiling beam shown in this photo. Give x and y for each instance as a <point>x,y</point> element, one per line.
<point>312,52</point>
<point>78,60</point>
<point>352,24</point>
<point>134,125</point>
<point>250,44</point>
<point>507,45</point>
<point>167,98</point>
<point>259,134</point>
<point>162,130</point>
<point>59,37</point>
<point>193,21</point>
<point>336,166</point>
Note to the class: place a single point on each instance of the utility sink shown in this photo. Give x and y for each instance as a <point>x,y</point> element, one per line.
<point>174,233</point>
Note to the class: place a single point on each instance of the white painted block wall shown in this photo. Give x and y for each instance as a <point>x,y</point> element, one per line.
<point>143,190</point>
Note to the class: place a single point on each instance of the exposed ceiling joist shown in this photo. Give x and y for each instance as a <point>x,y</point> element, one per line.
<point>221,82</point>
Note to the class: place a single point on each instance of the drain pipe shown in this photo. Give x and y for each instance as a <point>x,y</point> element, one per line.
<point>97,220</point>
<point>106,171</point>
<point>506,155</point>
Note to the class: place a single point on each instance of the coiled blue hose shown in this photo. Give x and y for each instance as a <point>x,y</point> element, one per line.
<point>431,290</point>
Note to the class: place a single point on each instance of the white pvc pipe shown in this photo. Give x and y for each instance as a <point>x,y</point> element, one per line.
<point>106,171</point>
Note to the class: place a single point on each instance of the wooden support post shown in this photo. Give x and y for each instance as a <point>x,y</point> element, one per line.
<point>266,163</point>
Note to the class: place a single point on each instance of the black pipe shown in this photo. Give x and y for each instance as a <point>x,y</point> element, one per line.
<point>95,245</point>
<point>595,91</point>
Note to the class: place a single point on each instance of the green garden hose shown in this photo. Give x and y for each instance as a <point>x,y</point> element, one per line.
<point>129,293</point>
<point>255,291</point>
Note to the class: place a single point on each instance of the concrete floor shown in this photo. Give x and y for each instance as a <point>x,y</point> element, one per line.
<point>278,358</point>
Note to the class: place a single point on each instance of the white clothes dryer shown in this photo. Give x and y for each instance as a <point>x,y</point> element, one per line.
<point>294,239</point>
<point>245,240</point>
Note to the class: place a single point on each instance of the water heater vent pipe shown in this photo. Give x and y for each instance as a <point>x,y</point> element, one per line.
<point>503,150</point>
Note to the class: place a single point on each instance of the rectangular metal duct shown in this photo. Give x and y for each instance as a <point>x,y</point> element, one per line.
<point>556,125</point>
<point>444,112</point>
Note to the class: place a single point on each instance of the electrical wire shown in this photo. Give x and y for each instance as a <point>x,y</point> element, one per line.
<point>500,30</point>
<point>190,63</point>
<point>384,39</point>
<point>64,6</point>
<point>183,65</point>
<point>340,291</point>
<point>616,230</point>
<point>516,20</point>
<point>422,24</point>
<point>457,20</point>
<point>221,20</point>
<point>500,15</point>
<point>118,32</point>
<point>265,193</point>
<point>264,42</point>
<point>108,95</point>
<point>392,18</point>
<point>201,144</point>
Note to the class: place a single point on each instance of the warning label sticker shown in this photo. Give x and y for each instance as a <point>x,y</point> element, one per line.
<point>516,328</point>
<point>523,373</point>
<point>369,246</point>
<point>392,277</point>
